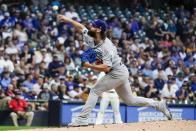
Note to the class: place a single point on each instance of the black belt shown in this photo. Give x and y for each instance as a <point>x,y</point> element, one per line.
<point>110,91</point>
<point>112,68</point>
<point>109,71</point>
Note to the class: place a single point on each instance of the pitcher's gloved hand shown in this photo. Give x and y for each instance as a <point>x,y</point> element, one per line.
<point>88,55</point>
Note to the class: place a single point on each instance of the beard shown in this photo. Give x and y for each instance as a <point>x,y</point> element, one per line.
<point>92,34</point>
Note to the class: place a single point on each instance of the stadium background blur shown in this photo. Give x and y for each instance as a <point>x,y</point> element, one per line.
<point>40,56</point>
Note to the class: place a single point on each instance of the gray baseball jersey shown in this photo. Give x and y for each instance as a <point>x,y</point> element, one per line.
<point>107,52</point>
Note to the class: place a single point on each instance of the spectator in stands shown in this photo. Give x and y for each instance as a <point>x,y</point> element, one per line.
<point>168,92</point>
<point>147,71</point>
<point>1,59</point>
<point>27,22</point>
<point>20,78</point>
<point>143,81</point>
<point>72,14</point>
<point>158,71</point>
<point>20,110</point>
<point>10,91</point>
<point>159,82</point>
<point>2,94</point>
<point>182,93</point>
<point>175,71</point>
<point>180,65</point>
<point>55,66</point>
<point>27,55</point>
<point>166,41</point>
<point>4,100</point>
<point>6,25</point>
<point>62,80</point>
<point>28,95</point>
<point>180,79</point>
<point>7,21</point>
<point>8,63</point>
<point>43,69</point>
<point>54,94</point>
<point>133,67</point>
<point>43,56</point>
<point>171,69</point>
<point>37,87</point>
<point>186,71</point>
<point>150,91</point>
<point>5,79</point>
<point>189,62</point>
<point>136,87</point>
<point>191,92</point>
<point>69,64</point>
<point>63,95</point>
<point>69,83</point>
<point>76,93</point>
<point>175,56</point>
<point>14,82</point>
<point>86,85</point>
<point>174,84</point>
<point>11,48</point>
<point>28,82</point>
<point>20,35</point>
<point>193,83</point>
<point>45,94</point>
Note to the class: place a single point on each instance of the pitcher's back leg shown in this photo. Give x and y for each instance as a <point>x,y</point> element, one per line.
<point>125,93</point>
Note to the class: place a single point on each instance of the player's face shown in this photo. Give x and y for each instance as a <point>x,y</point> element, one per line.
<point>93,31</point>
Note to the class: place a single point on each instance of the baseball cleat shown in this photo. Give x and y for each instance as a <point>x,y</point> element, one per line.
<point>78,122</point>
<point>162,106</point>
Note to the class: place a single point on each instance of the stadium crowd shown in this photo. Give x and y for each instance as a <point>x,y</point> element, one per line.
<point>40,56</point>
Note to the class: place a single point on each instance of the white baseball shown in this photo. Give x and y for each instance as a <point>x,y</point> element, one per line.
<point>55,7</point>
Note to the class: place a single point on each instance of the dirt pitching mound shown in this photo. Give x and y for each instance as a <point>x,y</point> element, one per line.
<point>176,125</point>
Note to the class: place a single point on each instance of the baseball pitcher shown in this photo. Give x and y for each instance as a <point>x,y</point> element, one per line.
<point>116,72</point>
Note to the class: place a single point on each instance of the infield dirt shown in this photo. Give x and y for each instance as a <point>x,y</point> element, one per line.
<point>175,125</point>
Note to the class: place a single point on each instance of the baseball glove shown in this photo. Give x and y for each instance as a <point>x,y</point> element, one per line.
<point>88,55</point>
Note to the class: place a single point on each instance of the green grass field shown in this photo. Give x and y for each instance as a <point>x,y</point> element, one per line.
<point>7,128</point>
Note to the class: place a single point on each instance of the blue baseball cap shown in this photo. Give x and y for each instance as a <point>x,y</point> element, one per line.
<point>100,24</point>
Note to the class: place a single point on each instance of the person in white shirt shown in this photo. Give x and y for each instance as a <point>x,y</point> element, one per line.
<point>72,14</point>
<point>54,80</point>
<point>43,55</point>
<point>69,64</point>
<point>158,71</point>
<point>11,48</point>
<point>37,86</point>
<point>171,69</point>
<point>1,59</point>
<point>76,92</point>
<point>6,62</point>
<point>19,33</point>
<point>168,91</point>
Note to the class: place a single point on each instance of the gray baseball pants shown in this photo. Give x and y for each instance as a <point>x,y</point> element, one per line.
<point>117,79</point>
